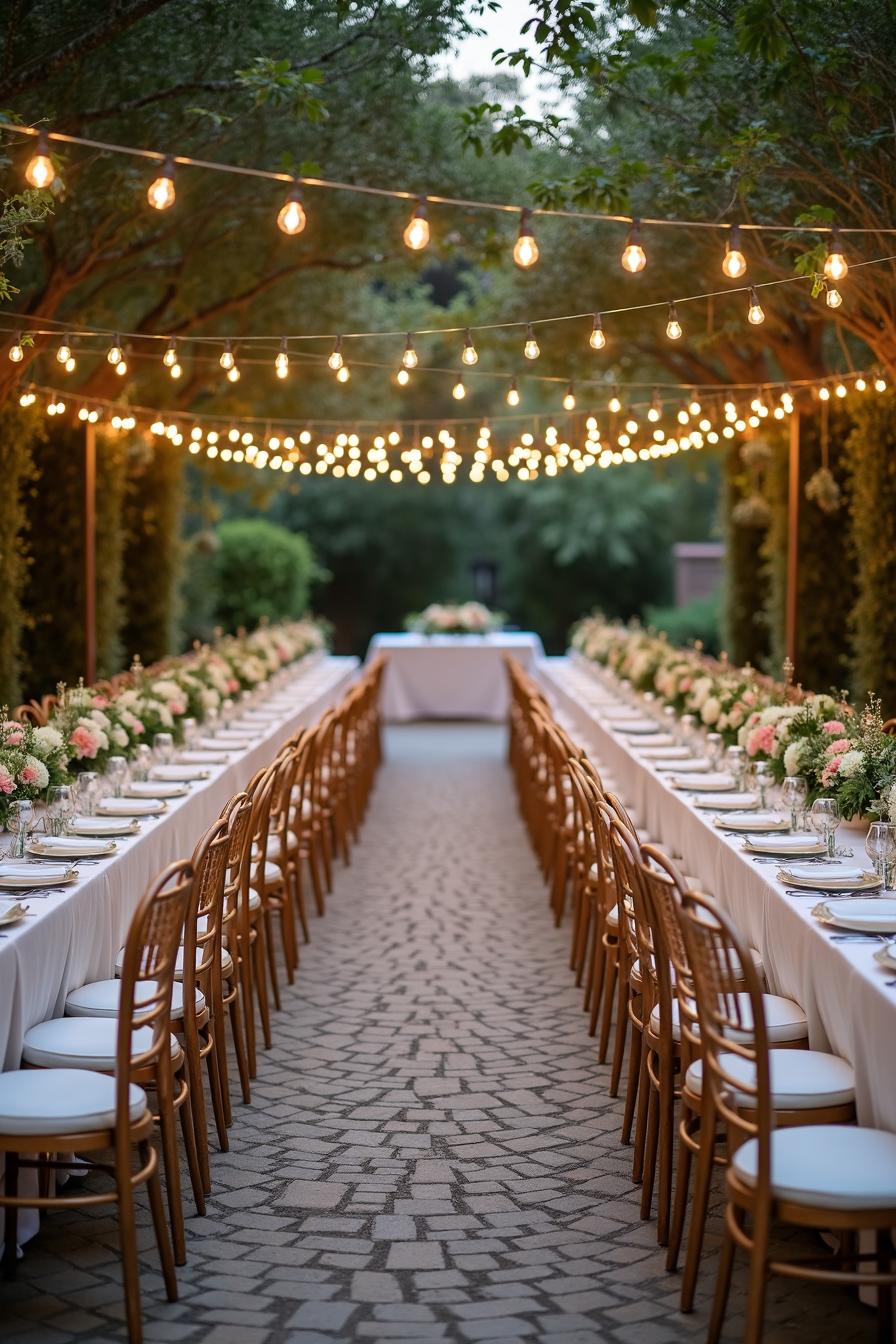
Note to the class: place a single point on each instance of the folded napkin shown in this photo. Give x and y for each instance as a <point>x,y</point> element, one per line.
<point>178,773</point>
<point>224,743</point>
<point>733,801</point>
<point>104,826</point>
<point>709,782</point>
<point>40,872</point>
<point>796,844</point>
<point>129,807</point>
<point>72,843</point>
<point>155,788</point>
<point>651,753</point>
<point>698,766</point>
<point>838,872</point>
<point>201,758</point>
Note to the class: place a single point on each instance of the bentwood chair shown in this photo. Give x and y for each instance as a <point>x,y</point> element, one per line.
<point>59,1110</point>
<point>823,1177</point>
<point>237,936</point>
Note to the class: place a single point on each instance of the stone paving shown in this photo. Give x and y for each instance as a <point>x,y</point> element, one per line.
<point>430,1153</point>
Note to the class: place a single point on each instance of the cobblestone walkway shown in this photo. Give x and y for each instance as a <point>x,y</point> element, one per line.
<point>430,1153</point>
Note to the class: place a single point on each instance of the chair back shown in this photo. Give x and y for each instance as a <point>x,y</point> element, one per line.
<point>235,918</point>
<point>665,889</point>
<point>205,915</point>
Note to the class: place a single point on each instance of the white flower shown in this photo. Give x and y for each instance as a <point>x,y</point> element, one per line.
<point>700,691</point>
<point>42,774</point>
<point>793,757</point>
<point>210,699</point>
<point>851,763</point>
<point>711,710</point>
<point>102,719</point>
<point>119,737</point>
<point>46,741</point>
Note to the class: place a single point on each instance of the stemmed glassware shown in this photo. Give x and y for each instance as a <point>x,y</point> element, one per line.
<point>824,818</point>
<point>142,762</point>
<point>228,708</point>
<point>60,808</point>
<point>736,764</point>
<point>19,821</point>
<point>687,726</point>
<point>714,749</point>
<point>191,731</point>
<point>880,846</point>
<point>211,720</point>
<point>762,776</point>
<point>794,792</point>
<point>117,773</point>
<point>163,748</point>
<point>86,791</point>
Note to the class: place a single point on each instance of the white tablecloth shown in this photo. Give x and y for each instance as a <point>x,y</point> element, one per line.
<point>450,676</point>
<point>842,990</point>
<point>73,936</point>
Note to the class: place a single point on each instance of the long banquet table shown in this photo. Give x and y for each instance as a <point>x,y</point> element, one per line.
<point>850,1006</point>
<point>451,676</point>
<point>72,936</point>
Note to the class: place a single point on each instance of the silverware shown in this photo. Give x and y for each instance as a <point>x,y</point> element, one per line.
<point>859,938</point>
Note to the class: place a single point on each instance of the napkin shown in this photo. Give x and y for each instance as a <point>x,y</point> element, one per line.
<point>177,773</point>
<point>72,842</point>
<point>129,807</point>
<point>715,781</point>
<point>735,801</point>
<point>39,871</point>
<point>651,753</point>
<point>795,843</point>
<point>699,765</point>
<point>840,872</point>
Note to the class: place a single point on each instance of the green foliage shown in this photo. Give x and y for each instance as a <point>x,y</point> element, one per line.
<point>745,631</point>
<point>700,619</point>
<point>18,216</point>
<point>262,572</point>
<point>111,478</point>
<point>152,555</point>
<point>21,433</point>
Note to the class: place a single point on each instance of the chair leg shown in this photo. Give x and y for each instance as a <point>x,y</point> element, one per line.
<point>169,1155</point>
<point>295,873</point>
<point>127,1237</point>
<point>758,1277</point>
<point>163,1241</point>
<point>196,1102</point>
<point>188,1130</point>
<point>640,1140</point>
<point>260,982</point>
<point>682,1190</point>
<point>611,974</point>
<point>246,1005</point>
<point>667,1130</point>
<point>11,1217</point>
<point>631,1091</point>
<point>622,991</point>
<point>272,957</point>
<point>885,1290</point>
<point>239,1042</point>
<point>217,1088</point>
<point>723,1282</point>
<point>316,882</point>
<point>650,1150</point>
<point>699,1205</point>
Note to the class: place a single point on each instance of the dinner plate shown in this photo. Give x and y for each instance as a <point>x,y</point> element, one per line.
<point>203,757</point>
<point>652,753</point>
<point>698,765</point>
<point>12,911</point>
<point>708,782</point>
<point>16,875</point>
<point>785,846</point>
<point>874,915</point>
<point>725,802</point>
<point>71,847</point>
<point>753,821</point>
<point>829,877</point>
<point>658,739</point>
<point>180,773</point>
<point>131,807</point>
<point>635,727</point>
<point>619,713</point>
<point>224,743</point>
<point>886,956</point>
<point>104,826</point>
<point>155,788</point>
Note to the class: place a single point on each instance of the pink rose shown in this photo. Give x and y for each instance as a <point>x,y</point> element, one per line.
<point>7,783</point>
<point>761,739</point>
<point>753,719</point>
<point>830,770</point>
<point>84,743</point>
<point>749,697</point>
<point>232,686</point>
<point>100,701</point>
<point>685,684</point>
<point>138,728</point>
<point>13,733</point>
<point>839,747</point>
<point>833,727</point>
<point>28,775</point>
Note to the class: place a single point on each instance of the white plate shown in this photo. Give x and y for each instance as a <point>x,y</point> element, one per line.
<point>886,956</point>
<point>877,915</point>
<point>726,802</point>
<point>648,744</point>
<point>224,744</point>
<point>203,757</point>
<point>785,846</point>
<point>635,727</point>
<point>18,875</point>
<point>714,782</point>
<point>12,911</point>
<point>104,826</point>
<point>71,847</point>
<point>829,877</point>
<point>699,765</point>
<point>130,807</point>
<point>181,773</point>
<point>652,753</point>
<point>149,788</point>
<point>753,821</point>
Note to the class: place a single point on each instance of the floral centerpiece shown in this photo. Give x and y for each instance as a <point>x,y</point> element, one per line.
<point>31,759</point>
<point>94,726</point>
<point>455,618</point>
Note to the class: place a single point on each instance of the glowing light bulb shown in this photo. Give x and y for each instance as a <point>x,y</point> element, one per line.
<point>840,390</point>
<point>281,360</point>
<point>39,171</point>
<point>16,351</point>
<point>64,353</point>
<point>531,349</point>
<point>614,405</point>
<point>409,358</point>
<point>656,409</point>
<point>169,359</point>
<point>292,218</point>
<point>735,263</point>
<point>569,401</point>
<point>835,264</point>
<point>633,258</point>
<point>513,394</point>
<point>597,340</point>
<point>824,394</point>
<point>342,374</point>
<point>227,360</point>
<point>880,384</point>
<point>121,367</point>
<point>402,377</point>
<point>113,354</point>
<point>832,297</point>
<point>673,326</point>
<point>860,384</point>
<point>416,233</point>
<point>458,391</point>
<point>525,249</point>
<point>233,374</point>
<point>470,354</point>
<point>161,192</point>
<point>70,364</point>
<point>335,360</point>
<point>755,315</point>
<point>694,407</point>
<point>176,370</point>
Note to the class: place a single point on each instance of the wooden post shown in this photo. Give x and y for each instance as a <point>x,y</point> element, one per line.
<point>89,553</point>
<point>793,520</point>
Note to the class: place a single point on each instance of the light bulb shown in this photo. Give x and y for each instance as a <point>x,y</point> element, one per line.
<point>824,393</point>
<point>614,405</point>
<point>569,401</point>
<point>531,349</point>
<point>64,353</point>
<point>409,358</point>
<point>835,264</point>
<point>470,355</point>
<point>832,297</point>
<point>673,326</point>
<point>860,384</point>
<point>70,364</point>
<point>281,360</point>
<point>525,249</point>
<point>513,394</point>
<point>39,171</point>
<point>113,354</point>
<point>227,360</point>
<point>694,407</point>
<point>656,409</point>
<point>161,192</point>
<point>633,258</point>
<point>176,370</point>
<point>840,390</point>
<point>342,374</point>
<point>880,384</point>
<point>121,368</point>
<point>169,359</point>
<point>16,352</point>
<point>416,234</point>
<point>735,263</point>
<point>458,391</point>
<point>233,374</point>
<point>597,340</point>
<point>402,377</point>
<point>755,315</point>
<point>335,360</point>
<point>292,218</point>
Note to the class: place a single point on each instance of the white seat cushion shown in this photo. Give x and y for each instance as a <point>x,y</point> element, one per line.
<point>101,998</point>
<point>254,899</point>
<point>827,1166</point>
<point>81,1043</point>
<point>784,1019</point>
<point>799,1079</point>
<point>61,1101</point>
<point>226,962</point>
<point>612,920</point>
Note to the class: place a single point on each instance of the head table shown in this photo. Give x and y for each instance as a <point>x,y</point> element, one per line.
<point>451,676</point>
<point>842,990</point>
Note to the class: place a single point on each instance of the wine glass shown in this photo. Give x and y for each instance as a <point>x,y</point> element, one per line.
<point>190,730</point>
<point>117,773</point>
<point>163,748</point>
<point>794,792</point>
<point>227,711</point>
<point>19,820</point>
<point>142,763</point>
<point>880,846</point>
<point>762,776</point>
<point>736,759</point>
<point>86,789</point>
<point>824,818</point>
<point>686,728</point>
<point>714,749</point>
<point>210,722</point>
<point>60,808</point>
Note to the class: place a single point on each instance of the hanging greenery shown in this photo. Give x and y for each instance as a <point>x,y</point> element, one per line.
<point>745,633</point>
<point>20,433</point>
<point>111,476</point>
<point>152,548</point>
<point>871,463</point>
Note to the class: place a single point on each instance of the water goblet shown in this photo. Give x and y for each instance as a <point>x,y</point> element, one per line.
<point>824,818</point>
<point>714,749</point>
<point>794,792</point>
<point>60,808</point>
<point>671,720</point>
<point>117,773</point>
<point>211,720</point>
<point>86,788</point>
<point>880,846</point>
<point>142,763</point>
<point>687,726</point>
<point>228,709</point>
<point>736,761</point>
<point>762,776</point>
<point>190,730</point>
<point>163,748</point>
<point>19,818</point>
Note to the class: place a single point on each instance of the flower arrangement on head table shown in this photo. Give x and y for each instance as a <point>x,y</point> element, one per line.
<point>31,759</point>
<point>455,618</point>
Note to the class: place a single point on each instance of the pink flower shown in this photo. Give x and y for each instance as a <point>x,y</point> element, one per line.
<point>7,783</point>
<point>754,718</point>
<point>685,684</point>
<point>830,770</point>
<point>13,733</point>
<point>232,686</point>
<point>749,697</point>
<point>84,743</point>
<point>28,775</point>
<point>137,727</point>
<point>761,739</point>
<point>839,747</point>
<point>100,701</point>
<point>833,727</point>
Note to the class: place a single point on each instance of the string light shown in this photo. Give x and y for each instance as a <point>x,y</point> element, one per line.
<point>458,391</point>
<point>835,264</point>
<point>402,377</point>
<point>531,349</point>
<point>281,360</point>
<point>634,258</point>
<point>292,218</point>
<point>113,354</point>
<point>614,405</point>
<point>735,263</point>
<point>416,233</point>
<point>755,315</point>
<point>39,171</point>
<point>525,249</point>
<point>161,194</point>
<point>175,370</point>
<point>673,326</point>
<point>513,394</point>
<point>121,367</point>
<point>233,374</point>
<point>569,400</point>
<point>64,353</point>
<point>824,394</point>
<point>832,296</point>
<point>16,350</point>
<point>597,340</point>
<point>409,358</point>
<point>227,360</point>
<point>343,374</point>
<point>335,360</point>
<point>169,359</point>
<point>655,410</point>
<point>880,384</point>
<point>469,355</point>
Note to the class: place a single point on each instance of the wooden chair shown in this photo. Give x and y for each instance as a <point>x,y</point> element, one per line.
<point>237,995</point>
<point>58,1110</point>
